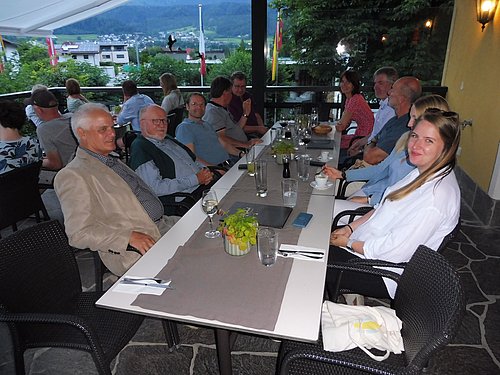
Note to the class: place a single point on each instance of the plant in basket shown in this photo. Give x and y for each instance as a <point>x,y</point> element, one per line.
<point>239,231</point>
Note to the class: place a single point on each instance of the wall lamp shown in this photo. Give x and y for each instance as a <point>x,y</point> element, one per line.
<point>485,11</point>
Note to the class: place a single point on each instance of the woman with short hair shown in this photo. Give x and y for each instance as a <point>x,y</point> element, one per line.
<point>15,150</point>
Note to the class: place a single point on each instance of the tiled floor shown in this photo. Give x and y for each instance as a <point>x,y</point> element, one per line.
<point>476,348</point>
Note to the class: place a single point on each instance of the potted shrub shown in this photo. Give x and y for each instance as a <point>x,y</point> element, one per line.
<point>239,232</point>
<point>281,148</point>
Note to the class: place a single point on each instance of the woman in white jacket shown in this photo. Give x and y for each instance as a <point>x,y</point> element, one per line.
<point>422,208</point>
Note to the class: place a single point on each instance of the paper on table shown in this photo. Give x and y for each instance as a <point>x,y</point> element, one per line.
<point>303,249</point>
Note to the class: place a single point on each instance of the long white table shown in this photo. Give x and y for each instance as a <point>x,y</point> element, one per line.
<point>299,316</point>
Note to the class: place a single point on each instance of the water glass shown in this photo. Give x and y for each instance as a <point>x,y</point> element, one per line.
<point>251,161</point>
<point>267,246</point>
<point>289,187</point>
<point>261,177</point>
<point>303,162</point>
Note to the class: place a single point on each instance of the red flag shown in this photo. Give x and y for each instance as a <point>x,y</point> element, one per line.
<point>279,34</point>
<point>2,55</point>
<point>52,51</point>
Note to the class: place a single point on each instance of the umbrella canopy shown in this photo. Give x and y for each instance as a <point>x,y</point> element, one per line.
<point>41,17</point>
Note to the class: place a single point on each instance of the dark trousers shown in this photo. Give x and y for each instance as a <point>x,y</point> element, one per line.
<point>358,283</point>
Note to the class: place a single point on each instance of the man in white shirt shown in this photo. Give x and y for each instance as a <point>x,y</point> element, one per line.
<point>383,79</point>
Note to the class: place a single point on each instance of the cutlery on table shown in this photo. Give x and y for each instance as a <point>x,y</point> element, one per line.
<point>147,281</point>
<point>304,254</point>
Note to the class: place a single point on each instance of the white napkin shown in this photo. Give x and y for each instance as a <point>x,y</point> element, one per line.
<point>138,289</point>
<point>302,249</point>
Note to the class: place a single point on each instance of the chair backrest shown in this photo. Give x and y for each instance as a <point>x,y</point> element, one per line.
<point>38,270</point>
<point>19,194</point>
<point>175,117</point>
<point>450,236</point>
<point>430,302</point>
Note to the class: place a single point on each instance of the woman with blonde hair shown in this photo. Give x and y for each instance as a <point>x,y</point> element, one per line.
<point>75,98</point>
<point>422,208</point>
<point>390,170</point>
<point>173,102</point>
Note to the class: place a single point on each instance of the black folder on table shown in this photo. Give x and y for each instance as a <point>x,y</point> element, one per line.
<point>321,144</point>
<point>267,215</point>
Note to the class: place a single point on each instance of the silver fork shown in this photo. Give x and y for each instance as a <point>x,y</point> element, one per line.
<point>299,253</point>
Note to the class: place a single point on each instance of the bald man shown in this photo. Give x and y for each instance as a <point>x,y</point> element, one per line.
<point>401,96</point>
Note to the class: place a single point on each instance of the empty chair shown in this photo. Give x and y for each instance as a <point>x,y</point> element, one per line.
<point>429,301</point>
<point>19,195</point>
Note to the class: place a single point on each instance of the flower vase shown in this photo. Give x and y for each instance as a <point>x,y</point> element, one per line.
<point>234,249</point>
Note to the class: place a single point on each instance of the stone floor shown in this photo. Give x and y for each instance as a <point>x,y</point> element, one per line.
<point>475,349</point>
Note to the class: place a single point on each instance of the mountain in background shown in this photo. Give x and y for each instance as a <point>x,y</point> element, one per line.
<point>225,18</point>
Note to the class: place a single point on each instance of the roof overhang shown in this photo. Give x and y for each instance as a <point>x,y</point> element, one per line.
<point>42,17</point>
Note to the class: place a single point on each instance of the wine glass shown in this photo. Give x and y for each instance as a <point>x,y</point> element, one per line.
<point>209,204</point>
<point>306,136</point>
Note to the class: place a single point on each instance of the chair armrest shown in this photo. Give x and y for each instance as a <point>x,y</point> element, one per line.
<point>377,263</point>
<point>53,319</point>
<point>371,270</point>
<point>351,213</point>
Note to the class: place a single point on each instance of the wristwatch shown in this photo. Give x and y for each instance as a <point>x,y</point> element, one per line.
<point>350,241</point>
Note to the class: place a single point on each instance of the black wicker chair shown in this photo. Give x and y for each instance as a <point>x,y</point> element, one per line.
<point>359,263</point>
<point>429,301</point>
<point>19,196</point>
<point>42,302</point>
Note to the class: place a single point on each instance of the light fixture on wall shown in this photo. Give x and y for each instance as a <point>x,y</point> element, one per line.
<point>485,11</point>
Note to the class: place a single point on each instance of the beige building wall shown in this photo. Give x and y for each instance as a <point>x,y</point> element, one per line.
<point>472,74</point>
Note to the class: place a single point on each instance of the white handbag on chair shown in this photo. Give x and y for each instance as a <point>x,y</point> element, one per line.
<point>346,327</point>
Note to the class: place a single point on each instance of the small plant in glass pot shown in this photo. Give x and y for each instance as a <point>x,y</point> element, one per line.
<point>239,231</point>
<point>283,148</point>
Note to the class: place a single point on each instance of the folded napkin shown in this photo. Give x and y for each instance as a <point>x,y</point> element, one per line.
<point>302,252</point>
<point>143,286</point>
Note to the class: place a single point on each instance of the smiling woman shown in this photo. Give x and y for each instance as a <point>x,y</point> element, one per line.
<point>422,208</point>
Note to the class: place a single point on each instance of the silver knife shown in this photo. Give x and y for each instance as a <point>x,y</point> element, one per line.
<point>303,252</point>
<point>140,282</point>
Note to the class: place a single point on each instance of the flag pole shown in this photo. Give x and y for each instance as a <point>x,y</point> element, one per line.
<point>201,47</point>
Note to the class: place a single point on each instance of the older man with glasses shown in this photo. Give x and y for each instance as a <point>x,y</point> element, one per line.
<point>164,164</point>
<point>383,79</point>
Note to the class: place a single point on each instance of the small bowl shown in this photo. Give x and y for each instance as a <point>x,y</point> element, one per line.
<point>322,129</point>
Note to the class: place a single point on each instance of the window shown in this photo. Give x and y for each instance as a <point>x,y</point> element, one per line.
<point>85,57</point>
<point>120,56</point>
<point>106,56</point>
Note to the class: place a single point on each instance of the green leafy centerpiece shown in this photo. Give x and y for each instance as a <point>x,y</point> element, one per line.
<point>239,231</point>
<point>283,148</point>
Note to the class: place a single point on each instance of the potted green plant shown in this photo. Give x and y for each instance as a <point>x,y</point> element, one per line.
<point>283,148</point>
<point>239,232</point>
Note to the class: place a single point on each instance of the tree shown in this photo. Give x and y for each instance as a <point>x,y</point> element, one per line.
<point>148,75</point>
<point>34,67</point>
<point>373,32</point>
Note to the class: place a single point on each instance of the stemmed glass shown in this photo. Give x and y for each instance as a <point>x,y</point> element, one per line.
<point>306,136</point>
<point>209,204</point>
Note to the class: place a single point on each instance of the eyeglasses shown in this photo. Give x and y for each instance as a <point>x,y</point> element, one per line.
<point>158,121</point>
<point>239,86</point>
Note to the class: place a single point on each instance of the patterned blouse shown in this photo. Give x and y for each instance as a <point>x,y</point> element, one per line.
<point>15,154</point>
